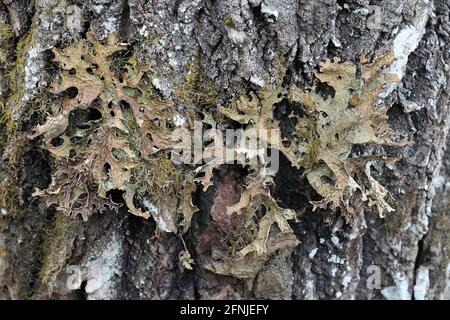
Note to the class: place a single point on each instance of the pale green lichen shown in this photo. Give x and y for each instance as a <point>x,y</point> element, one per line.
<point>127,148</point>
<point>324,136</point>
<point>350,117</point>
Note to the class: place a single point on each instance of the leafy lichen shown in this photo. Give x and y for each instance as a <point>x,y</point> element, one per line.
<point>127,147</point>
<point>124,150</point>
<point>324,133</point>
<point>351,117</point>
<point>329,128</point>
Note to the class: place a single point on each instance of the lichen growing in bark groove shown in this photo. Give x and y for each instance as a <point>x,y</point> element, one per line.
<point>127,148</point>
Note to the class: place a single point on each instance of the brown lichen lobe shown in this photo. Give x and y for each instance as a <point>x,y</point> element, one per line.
<point>124,150</point>
<point>127,150</point>
<point>321,145</point>
<point>352,117</point>
<point>324,136</point>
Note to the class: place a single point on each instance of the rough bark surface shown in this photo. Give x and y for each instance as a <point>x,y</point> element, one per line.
<point>237,45</point>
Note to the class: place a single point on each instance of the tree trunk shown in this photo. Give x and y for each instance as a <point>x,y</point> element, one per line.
<point>203,54</point>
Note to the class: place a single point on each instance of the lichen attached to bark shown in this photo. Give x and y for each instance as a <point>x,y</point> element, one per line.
<point>351,116</point>
<point>125,146</point>
<point>328,129</point>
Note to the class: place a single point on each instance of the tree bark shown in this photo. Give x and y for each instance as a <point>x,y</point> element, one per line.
<point>236,45</point>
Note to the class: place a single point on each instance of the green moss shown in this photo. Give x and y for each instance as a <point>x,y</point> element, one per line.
<point>9,197</point>
<point>9,200</point>
<point>6,44</point>
<point>11,106</point>
<point>195,89</point>
<point>56,249</point>
<point>6,48</point>
<point>16,73</point>
<point>7,127</point>
<point>15,79</point>
<point>311,159</point>
<point>161,179</point>
<point>21,51</point>
<point>5,31</point>
<point>241,235</point>
<point>229,22</point>
<point>281,68</point>
<point>26,245</point>
<point>3,251</point>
